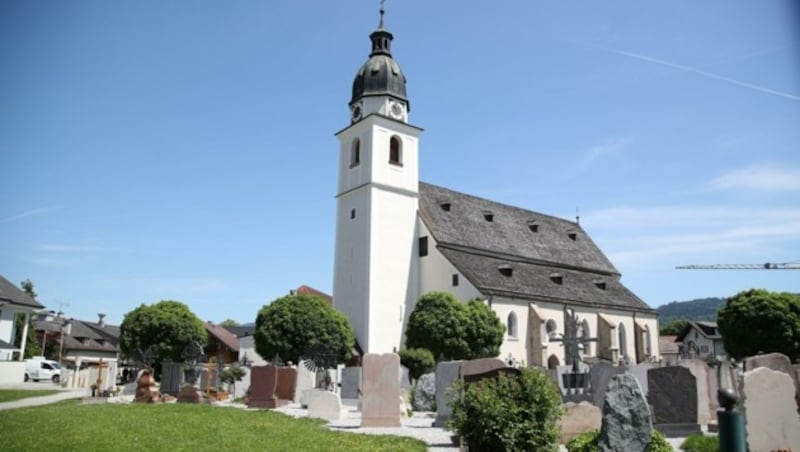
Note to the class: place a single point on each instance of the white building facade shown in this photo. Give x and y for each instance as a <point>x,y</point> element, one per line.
<point>398,238</point>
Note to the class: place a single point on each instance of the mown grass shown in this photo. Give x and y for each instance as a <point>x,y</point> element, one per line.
<point>9,395</point>
<point>177,427</point>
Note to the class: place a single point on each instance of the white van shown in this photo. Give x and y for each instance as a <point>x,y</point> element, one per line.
<point>39,368</point>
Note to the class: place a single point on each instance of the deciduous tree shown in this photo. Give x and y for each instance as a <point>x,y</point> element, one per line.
<point>757,321</point>
<point>168,326</point>
<point>290,326</point>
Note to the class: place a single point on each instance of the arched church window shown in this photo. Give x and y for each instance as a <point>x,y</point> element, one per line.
<point>586,334</point>
<point>648,345</point>
<point>623,342</point>
<point>395,151</point>
<point>511,325</point>
<point>355,153</point>
<point>551,328</point>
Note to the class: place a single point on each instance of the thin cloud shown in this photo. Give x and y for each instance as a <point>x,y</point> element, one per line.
<point>608,149</point>
<point>75,248</point>
<point>703,73</point>
<point>759,177</point>
<point>659,217</point>
<point>29,213</point>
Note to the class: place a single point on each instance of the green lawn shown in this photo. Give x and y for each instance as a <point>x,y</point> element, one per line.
<point>8,395</point>
<point>177,427</point>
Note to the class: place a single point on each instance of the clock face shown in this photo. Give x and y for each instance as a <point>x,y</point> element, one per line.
<point>396,109</point>
<point>356,112</point>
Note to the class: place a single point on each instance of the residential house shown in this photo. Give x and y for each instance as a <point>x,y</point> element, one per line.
<point>13,301</point>
<point>701,340</point>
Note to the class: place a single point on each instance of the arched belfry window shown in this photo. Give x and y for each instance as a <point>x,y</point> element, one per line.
<point>355,153</point>
<point>511,325</point>
<point>395,150</point>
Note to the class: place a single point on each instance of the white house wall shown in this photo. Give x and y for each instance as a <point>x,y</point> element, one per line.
<point>6,330</point>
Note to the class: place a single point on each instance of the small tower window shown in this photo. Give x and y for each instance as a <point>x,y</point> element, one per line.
<point>395,151</point>
<point>488,216</point>
<point>455,279</point>
<point>557,278</point>
<point>423,246</point>
<point>352,214</point>
<point>506,270</point>
<point>355,153</point>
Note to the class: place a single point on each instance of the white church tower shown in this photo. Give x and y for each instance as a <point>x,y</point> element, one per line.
<point>376,268</point>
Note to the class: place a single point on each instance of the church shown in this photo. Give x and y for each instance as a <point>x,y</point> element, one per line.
<point>398,238</point>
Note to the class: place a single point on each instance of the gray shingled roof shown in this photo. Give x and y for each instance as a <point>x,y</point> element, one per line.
<point>12,294</point>
<point>478,247</point>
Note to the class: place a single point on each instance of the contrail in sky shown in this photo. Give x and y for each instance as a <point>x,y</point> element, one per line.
<point>701,72</point>
<point>29,213</point>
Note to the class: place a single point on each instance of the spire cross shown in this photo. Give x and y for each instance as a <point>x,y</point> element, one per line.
<point>380,25</point>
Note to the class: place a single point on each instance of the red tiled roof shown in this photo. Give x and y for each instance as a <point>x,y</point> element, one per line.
<point>305,290</point>
<point>222,335</point>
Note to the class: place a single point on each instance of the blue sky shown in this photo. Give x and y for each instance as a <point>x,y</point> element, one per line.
<point>184,150</point>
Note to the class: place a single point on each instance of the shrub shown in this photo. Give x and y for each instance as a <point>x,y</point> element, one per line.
<point>587,442</point>
<point>419,361</point>
<point>508,413</point>
<point>698,442</point>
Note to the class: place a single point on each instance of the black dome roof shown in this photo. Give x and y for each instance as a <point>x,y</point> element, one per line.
<point>380,75</point>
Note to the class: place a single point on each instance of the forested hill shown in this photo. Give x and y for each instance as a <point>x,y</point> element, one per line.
<point>697,309</point>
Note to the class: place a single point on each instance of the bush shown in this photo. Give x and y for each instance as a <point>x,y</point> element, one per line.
<point>587,442</point>
<point>508,413</point>
<point>419,361</point>
<point>698,442</point>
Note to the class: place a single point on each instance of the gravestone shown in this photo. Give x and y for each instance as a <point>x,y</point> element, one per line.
<point>480,366</point>
<point>263,383</point>
<point>447,372</point>
<point>579,418</point>
<point>639,371</point>
<point>627,425</point>
<point>771,420</point>
<point>172,377</point>
<point>381,390</point>
<point>424,393</point>
<point>306,379</point>
<point>351,382</point>
<point>706,390</point>
<point>599,375</point>
<point>775,361</point>
<point>324,404</point>
<point>285,387</point>
<point>209,377</point>
<point>673,397</point>
<point>190,394</point>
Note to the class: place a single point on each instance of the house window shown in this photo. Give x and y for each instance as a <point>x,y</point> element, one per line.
<point>511,325</point>
<point>506,270</point>
<point>423,246</point>
<point>355,153</point>
<point>395,151</point>
<point>455,279</point>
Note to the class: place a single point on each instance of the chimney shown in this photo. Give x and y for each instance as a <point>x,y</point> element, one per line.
<point>101,320</point>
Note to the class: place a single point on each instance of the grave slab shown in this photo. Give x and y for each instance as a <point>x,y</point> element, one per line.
<point>381,390</point>
<point>446,373</point>
<point>771,420</point>
<point>627,425</point>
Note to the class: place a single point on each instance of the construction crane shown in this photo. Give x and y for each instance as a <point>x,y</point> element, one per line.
<point>766,266</point>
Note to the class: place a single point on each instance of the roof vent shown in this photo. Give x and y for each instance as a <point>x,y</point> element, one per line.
<point>572,235</point>
<point>533,226</point>
<point>600,284</point>
<point>445,206</point>
<point>557,278</point>
<point>488,216</point>
<point>505,270</point>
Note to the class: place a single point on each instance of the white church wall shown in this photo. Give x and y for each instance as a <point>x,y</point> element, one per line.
<point>436,272</point>
<point>404,176</point>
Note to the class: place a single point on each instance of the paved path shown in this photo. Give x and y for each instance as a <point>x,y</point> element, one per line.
<point>64,394</point>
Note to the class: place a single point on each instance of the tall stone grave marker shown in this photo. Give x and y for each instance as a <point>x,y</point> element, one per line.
<point>627,425</point>
<point>706,389</point>
<point>351,382</point>
<point>306,380</point>
<point>446,373</point>
<point>172,378</point>
<point>263,383</point>
<point>285,387</point>
<point>674,401</point>
<point>770,412</point>
<point>639,371</point>
<point>381,390</point>
<point>775,361</point>
<point>599,375</point>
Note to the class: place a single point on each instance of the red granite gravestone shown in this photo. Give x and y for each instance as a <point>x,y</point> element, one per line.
<point>380,405</point>
<point>263,383</point>
<point>287,379</point>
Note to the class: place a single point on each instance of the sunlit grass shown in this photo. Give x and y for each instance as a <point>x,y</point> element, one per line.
<point>177,427</point>
<point>9,395</point>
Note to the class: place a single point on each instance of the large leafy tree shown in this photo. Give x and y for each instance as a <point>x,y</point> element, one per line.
<point>484,331</point>
<point>454,330</point>
<point>168,326</point>
<point>673,327</point>
<point>758,321</point>
<point>291,326</point>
